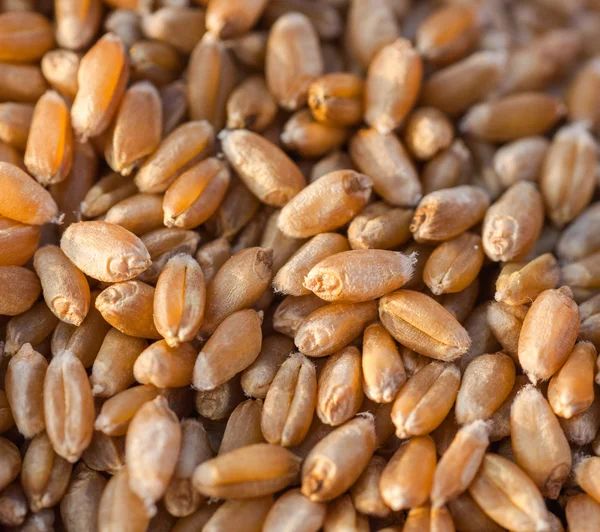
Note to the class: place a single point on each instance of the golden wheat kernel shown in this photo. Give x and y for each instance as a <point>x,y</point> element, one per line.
<point>21,290</point>
<point>568,180</point>
<point>427,132</point>
<point>83,341</point>
<point>226,295</point>
<point>292,311</point>
<point>454,264</point>
<point>138,214</point>
<point>392,86</point>
<point>20,83</point>
<point>337,99</point>
<point>455,88</point>
<point>251,105</point>
<point>520,160</point>
<point>233,346</point>
<point>256,378</point>
<point>448,34</point>
<point>337,460</point>
<point>165,366</point>
<point>549,332</point>
<point>185,146</point>
<point>289,277</point>
<point>325,205</point>
<point>294,510</point>
<point>505,321</point>
<point>212,76</point>
<point>407,478</point>
<point>45,475</point>
<point>340,391</point>
<point>18,242</point>
<point>65,288</point>
<point>447,213</point>
<point>23,199</point>
<point>383,371</point>
<point>102,77</point>
<point>160,64</point>
<point>329,328</point>
<point>450,167</point>
<point>196,194</point>
<point>263,167</point>
<point>340,277</point>
<point>117,411</point>
<point>15,124</point>
<point>128,307</point>
<point>127,146</point>
<point>366,494</point>
<point>381,226</point>
<point>181,27</point>
<point>31,327</point>
<point>290,402</point>
<point>243,426</point>
<point>68,406</point>
<point>370,25</point>
<point>164,244</point>
<point>308,138</point>
<point>105,251</point>
<point>112,371</point>
<point>581,95</point>
<point>77,23</point>
<point>425,400</point>
<point>384,159</point>
<point>582,512</point>
<point>105,193</point>
<point>24,37</point>
<point>477,398</point>
<point>521,283</point>
<point>120,507</point>
<point>507,495</point>
<point>228,19</point>
<point>538,441</point>
<point>251,471</point>
<point>179,300</point>
<point>293,60</point>
<point>420,323</point>
<point>459,463</point>
<point>571,389</point>
<point>49,158</point>
<point>521,115</point>
<point>24,382</point>
<point>151,450</point>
